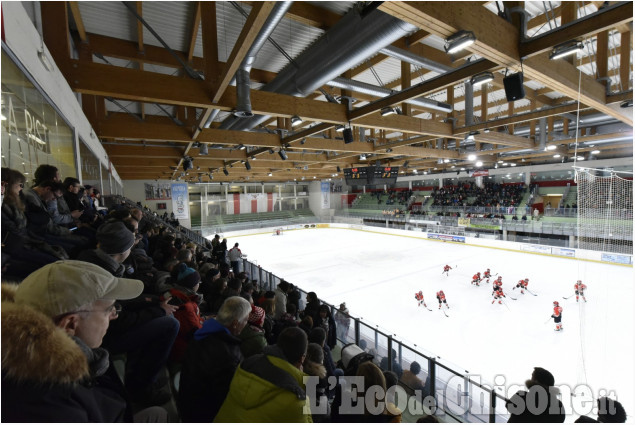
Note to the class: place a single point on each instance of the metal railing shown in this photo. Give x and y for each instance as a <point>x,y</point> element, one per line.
<point>456,394</point>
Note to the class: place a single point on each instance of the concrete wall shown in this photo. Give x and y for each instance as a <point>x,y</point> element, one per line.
<point>135,191</point>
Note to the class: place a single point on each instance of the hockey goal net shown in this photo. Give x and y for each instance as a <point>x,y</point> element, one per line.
<point>278,232</point>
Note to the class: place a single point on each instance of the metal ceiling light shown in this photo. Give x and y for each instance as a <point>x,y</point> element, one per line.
<point>187,164</point>
<point>282,154</point>
<point>387,110</point>
<point>339,128</point>
<point>295,120</point>
<point>566,49</point>
<point>247,165</point>
<point>225,171</point>
<point>471,157</point>
<point>459,41</point>
<point>202,149</point>
<point>625,104</point>
<point>481,78</point>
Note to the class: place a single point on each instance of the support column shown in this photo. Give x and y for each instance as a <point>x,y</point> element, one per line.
<point>440,183</point>
<point>572,241</point>
<point>527,178</point>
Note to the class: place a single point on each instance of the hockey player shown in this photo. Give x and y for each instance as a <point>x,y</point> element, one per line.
<point>557,315</point>
<point>498,284</point>
<point>498,294</point>
<point>579,290</point>
<point>522,284</point>
<point>441,298</point>
<point>476,279</point>
<point>487,275</point>
<point>419,297</point>
<point>446,269</point>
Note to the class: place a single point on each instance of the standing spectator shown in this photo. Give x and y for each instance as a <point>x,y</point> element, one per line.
<point>281,298</point>
<point>210,362</point>
<point>235,257</point>
<point>536,214</point>
<point>540,388</point>
<point>269,387</point>
<point>343,322</point>
<point>59,373</point>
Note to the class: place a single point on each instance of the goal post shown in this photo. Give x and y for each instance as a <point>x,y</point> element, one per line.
<point>605,211</point>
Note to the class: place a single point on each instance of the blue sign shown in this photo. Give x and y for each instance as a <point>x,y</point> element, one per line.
<point>180,201</point>
<point>617,258</point>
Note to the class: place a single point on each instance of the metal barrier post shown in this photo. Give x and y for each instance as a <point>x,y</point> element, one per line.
<point>492,406</point>
<point>390,359</point>
<point>357,332</point>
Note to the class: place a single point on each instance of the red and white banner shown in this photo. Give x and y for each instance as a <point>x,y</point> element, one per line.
<point>246,203</point>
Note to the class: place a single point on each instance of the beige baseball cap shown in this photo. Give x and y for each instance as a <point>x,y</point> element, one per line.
<point>65,286</point>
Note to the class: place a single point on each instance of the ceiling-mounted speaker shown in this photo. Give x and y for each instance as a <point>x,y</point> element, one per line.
<point>348,135</point>
<point>514,89</point>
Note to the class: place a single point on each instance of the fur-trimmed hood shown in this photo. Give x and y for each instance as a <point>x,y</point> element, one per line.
<point>34,349</point>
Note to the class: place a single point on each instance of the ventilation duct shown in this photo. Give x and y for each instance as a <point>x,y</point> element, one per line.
<point>360,87</point>
<point>243,106</point>
<point>348,43</point>
<point>411,58</point>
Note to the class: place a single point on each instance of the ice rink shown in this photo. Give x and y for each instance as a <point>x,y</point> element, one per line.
<point>377,276</point>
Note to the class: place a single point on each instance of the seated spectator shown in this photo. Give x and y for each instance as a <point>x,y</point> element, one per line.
<point>539,388</point>
<point>313,367</point>
<point>39,222</point>
<point>377,410</point>
<point>210,362</point>
<point>306,324</point>
<point>253,335</point>
<point>318,336</point>
<point>60,373</point>
<point>609,411</point>
<point>269,306</point>
<point>411,378</point>
<point>27,253</point>
<point>269,387</point>
<point>60,210</point>
<point>114,244</point>
<point>185,298</point>
<point>396,367</point>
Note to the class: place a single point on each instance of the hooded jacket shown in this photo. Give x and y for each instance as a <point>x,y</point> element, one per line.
<point>49,376</point>
<point>266,388</point>
<point>208,368</point>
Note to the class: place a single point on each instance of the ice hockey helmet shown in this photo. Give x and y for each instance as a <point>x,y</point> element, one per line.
<point>478,273</point>
<point>555,304</point>
<point>526,279</point>
<point>579,281</point>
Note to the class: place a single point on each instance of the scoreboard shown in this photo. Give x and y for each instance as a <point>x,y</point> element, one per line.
<point>371,175</point>
<point>384,175</point>
<point>356,176</point>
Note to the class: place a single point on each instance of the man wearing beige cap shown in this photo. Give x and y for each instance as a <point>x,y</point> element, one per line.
<point>53,323</point>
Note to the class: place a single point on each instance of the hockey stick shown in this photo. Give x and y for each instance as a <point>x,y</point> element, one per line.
<point>535,295</point>
<point>505,304</point>
<point>548,320</point>
<point>509,296</point>
<point>446,314</point>
<point>566,298</point>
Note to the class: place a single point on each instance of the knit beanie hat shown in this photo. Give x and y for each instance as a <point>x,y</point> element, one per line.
<point>543,377</point>
<point>114,237</point>
<point>257,316</point>
<point>187,276</point>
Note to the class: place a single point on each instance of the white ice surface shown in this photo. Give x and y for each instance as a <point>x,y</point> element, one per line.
<point>377,276</point>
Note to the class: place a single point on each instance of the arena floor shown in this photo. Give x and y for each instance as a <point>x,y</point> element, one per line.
<point>377,276</point>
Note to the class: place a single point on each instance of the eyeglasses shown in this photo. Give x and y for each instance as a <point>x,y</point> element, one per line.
<point>22,185</point>
<point>113,309</point>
